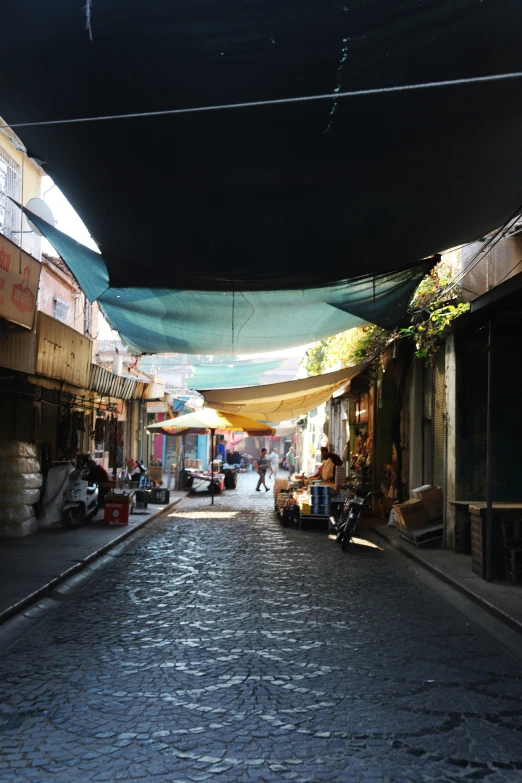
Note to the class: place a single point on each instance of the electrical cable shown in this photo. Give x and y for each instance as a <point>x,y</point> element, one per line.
<point>275,101</point>
<point>486,247</point>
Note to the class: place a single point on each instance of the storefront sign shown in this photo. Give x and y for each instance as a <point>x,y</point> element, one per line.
<point>18,291</point>
<point>156,407</point>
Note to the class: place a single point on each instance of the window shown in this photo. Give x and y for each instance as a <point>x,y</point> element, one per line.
<point>10,186</point>
<point>60,311</point>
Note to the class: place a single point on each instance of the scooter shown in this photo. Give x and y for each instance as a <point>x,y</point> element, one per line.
<point>344,527</point>
<point>81,499</point>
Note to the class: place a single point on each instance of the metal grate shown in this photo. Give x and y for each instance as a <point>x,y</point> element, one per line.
<point>10,186</point>
<point>60,311</point>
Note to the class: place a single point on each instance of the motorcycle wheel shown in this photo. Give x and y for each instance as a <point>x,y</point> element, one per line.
<point>348,533</point>
<point>340,530</point>
<point>74,517</point>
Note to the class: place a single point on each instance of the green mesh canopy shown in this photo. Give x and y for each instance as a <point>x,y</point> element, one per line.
<point>210,375</point>
<point>164,320</point>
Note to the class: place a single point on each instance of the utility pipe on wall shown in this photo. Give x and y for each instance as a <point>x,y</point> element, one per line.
<point>489,455</point>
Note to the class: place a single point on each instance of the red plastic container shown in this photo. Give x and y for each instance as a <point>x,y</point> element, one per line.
<point>116,513</point>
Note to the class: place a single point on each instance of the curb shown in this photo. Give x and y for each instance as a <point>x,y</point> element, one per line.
<point>47,588</point>
<point>444,577</point>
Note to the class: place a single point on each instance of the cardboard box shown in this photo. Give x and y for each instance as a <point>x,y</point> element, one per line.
<point>432,500</point>
<point>279,484</point>
<point>411,515</point>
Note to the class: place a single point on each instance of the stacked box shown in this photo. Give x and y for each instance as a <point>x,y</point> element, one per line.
<point>321,510</point>
<point>320,497</point>
<point>283,500</point>
<point>411,515</point>
<point>432,500</point>
<point>160,495</point>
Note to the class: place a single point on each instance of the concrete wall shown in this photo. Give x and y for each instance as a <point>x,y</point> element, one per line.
<point>451,443</point>
<point>32,181</point>
<point>56,283</point>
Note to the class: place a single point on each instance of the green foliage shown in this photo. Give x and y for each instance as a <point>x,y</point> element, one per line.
<point>426,333</point>
<point>347,348</point>
<point>316,358</point>
<point>431,311</point>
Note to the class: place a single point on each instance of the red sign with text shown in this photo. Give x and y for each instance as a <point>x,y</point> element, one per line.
<point>19,279</point>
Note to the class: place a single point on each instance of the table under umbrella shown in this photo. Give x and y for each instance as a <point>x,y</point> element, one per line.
<point>210,420</point>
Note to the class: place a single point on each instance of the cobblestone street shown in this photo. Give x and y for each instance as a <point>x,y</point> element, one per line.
<point>224,647</point>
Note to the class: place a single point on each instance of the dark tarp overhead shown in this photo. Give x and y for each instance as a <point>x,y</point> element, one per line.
<point>279,197</point>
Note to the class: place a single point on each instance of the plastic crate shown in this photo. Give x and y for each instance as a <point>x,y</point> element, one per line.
<point>160,495</point>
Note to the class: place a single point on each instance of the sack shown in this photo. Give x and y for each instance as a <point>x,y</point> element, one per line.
<point>20,481</point>
<point>19,497</point>
<point>16,513</point>
<point>16,448</point>
<point>18,529</point>
<point>17,465</point>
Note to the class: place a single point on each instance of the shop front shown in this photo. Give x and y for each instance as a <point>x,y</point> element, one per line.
<point>53,408</point>
<point>484,516</point>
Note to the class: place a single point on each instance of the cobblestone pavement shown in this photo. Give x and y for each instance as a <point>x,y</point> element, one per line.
<point>226,648</point>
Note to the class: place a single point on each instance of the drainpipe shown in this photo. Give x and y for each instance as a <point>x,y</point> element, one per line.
<point>142,434</point>
<point>489,456</point>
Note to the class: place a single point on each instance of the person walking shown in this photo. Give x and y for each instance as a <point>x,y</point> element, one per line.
<point>290,460</point>
<point>262,467</point>
<point>274,464</point>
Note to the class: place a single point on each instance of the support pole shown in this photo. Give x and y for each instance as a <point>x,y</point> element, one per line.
<point>212,452</point>
<point>489,456</point>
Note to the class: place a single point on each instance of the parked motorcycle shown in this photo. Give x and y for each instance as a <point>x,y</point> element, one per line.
<point>81,499</point>
<point>344,527</point>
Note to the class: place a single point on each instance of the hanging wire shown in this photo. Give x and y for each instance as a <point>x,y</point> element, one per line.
<point>276,101</point>
<point>21,212</point>
<point>509,272</point>
<point>488,245</point>
<point>233,314</point>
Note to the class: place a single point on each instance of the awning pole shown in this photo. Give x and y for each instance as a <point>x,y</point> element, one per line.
<point>212,453</point>
<point>489,456</point>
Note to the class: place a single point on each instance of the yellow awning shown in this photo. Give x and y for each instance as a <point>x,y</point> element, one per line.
<point>208,420</point>
<point>279,401</point>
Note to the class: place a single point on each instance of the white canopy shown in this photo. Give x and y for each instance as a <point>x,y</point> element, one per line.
<point>280,401</point>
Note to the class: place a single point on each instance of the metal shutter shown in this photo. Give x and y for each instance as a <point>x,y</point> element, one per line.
<point>439,418</point>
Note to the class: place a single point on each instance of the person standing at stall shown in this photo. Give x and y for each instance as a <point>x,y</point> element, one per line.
<point>262,467</point>
<point>274,463</point>
<point>98,475</point>
<point>329,461</point>
<point>290,460</point>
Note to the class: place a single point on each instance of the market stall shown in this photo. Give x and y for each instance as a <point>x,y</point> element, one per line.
<point>211,421</point>
<point>297,504</point>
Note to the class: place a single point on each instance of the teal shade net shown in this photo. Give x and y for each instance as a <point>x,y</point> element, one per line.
<point>164,320</point>
<point>211,375</point>
<point>239,374</point>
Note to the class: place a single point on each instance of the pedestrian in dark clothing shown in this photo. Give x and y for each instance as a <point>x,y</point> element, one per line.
<point>262,467</point>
